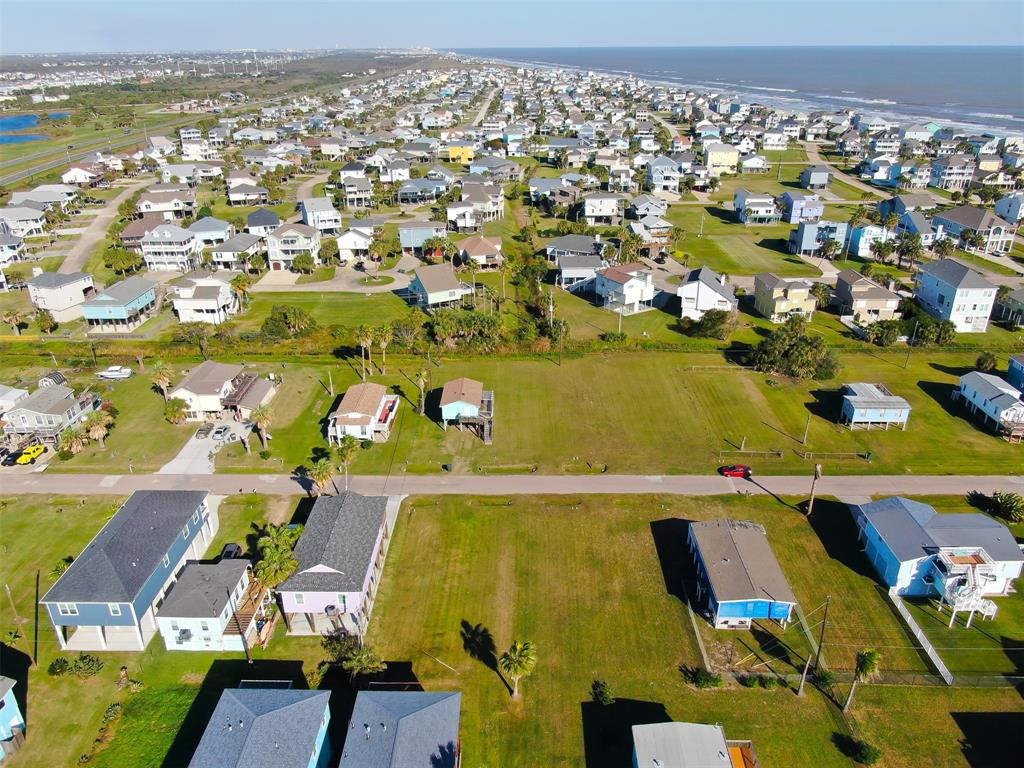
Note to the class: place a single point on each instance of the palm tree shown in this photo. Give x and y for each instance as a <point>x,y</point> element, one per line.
<point>364,338</point>
<point>518,662</point>
<point>345,451</point>
<point>72,439</point>
<point>384,335</point>
<point>261,417</point>
<point>275,566</point>
<point>61,566</point>
<point>320,473</point>
<point>162,377</point>
<point>176,410</point>
<point>867,665</point>
<point>13,318</point>
<point>422,379</point>
<point>363,661</point>
<point>97,425</point>
<point>241,283</point>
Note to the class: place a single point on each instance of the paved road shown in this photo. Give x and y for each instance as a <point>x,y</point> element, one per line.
<point>843,486</point>
<point>96,232</point>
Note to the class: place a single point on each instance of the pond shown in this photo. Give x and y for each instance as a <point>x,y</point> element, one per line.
<point>20,122</point>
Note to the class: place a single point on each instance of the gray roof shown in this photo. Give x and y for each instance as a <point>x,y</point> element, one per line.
<point>739,562</point>
<point>436,278</point>
<point>123,292</point>
<point>579,261</point>
<point>578,243</point>
<point>863,395</point>
<point>208,377</point>
<point>56,279</point>
<point>240,243</point>
<point>912,530</point>
<point>403,729</point>
<point>53,399</point>
<point>264,217</point>
<point>972,217</point>
<point>115,565</point>
<point>341,533</point>
<point>208,224</point>
<point>317,204</point>
<point>265,727</point>
<point>712,280</point>
<point>956,274</point>
<point>992,388</point>
<point>202,589</point>
<point>680,745</point>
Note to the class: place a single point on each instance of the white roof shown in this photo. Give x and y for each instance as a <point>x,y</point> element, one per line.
<point>680,745</point>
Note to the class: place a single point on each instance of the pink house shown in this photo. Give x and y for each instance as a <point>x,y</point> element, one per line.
<point>341,558</point>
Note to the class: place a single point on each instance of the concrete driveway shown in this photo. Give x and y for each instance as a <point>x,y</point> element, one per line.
<point>196,456</point>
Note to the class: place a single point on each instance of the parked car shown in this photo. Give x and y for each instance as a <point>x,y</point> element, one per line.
<point>231,551</point>
<point>30,454</point>
<point>221,432</point>
<point>735,470</point>
<point>115,372</point>
<point>204,431</point>
<point>10,459</point>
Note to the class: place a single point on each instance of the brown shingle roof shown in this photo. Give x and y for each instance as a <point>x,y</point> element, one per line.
<point>462,391</point>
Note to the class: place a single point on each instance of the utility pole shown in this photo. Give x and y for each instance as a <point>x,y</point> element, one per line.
<point>701,233</point>
<point>807,429</point>
<point>330,379</point>
<point>910,345</point>
<point>821,636</point>
<point>814,481</point>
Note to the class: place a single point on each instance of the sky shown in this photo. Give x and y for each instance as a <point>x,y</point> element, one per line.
<point>41,26</point>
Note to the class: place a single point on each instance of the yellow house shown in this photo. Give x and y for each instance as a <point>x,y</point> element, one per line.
<point>989,162</point>
<point>779,299</point>
<point>720,158</point>
<point>461,152</point>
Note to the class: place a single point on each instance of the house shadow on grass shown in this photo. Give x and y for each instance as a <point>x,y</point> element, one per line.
<point>221,675</point>
<point>827,404</point>
<point>834,526</point>
<point>952,370</point>
<point>942,393</point>
<point>608,729</point>
<point>990,738</point>
<point>673,554</point>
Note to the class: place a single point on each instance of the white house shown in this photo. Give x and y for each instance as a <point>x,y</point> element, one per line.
<point>288,241</point>
<point>169,248</point>
<point>604,208</point>
<point>23,221</point>
<point>997,400</point>
<point>211,389</point>
<point>214,607</point>
<point>755,208</point>
<point>62,295</point>
<point>366,412</point>
<point>703,290</point>
<point>211,231</point>
<point>354,244</point>
<point>205,298</point>
<point>1011,207</point>
<point>81,175</point>
<point>320,213</point>
<point>235,253</point>
<point>171,205</point>
<point>949,290</point>
<point>625,288</point>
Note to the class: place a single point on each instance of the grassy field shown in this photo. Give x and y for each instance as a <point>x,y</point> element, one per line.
<point>942,727</point>
<point>348,309</point>
<point>978,260</point>
<point>676,421</point>
<point>552,570</point>
<point>794,154</point>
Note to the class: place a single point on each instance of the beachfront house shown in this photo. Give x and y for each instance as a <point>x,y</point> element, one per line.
<point>340,557</point>
<point>108,597</point>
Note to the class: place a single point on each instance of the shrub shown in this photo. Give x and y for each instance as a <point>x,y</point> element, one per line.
<point>701,678</point>
<point>601,692</point>
<point>1008,505</point>
<point>714,324</point>
<point>613,337</point>
<point>749,681</point>
<point>767,681</point>
<point>65,455</point>
<point>86,665</point>
<point>824,678</point>
<point>986,362</point>
<point>58,667</point>
<point>264,454</point>
<point>866,753</point>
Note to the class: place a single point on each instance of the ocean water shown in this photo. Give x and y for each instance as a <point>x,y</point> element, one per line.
<point>19,122</point>
<point>980,87</point>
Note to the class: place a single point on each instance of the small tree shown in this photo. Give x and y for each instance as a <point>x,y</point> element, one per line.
<point>303,263</point>
<point>45,321</point>
<point>986,362</point>
<point>320,472</point>
<point>176,410</point>
<point>422,379</point>
<point>162,376</point>
<point>13,318</point>
<point>1008,505</point>
<point>262,416</point>
<point>363,661</point>
<point>329,250</point>
<point>97,425</point>
<point>822,294</point>
<point>518,662</point>
<point>345,451</point>
<point>866,666</point>
<point>601,692</point>
<point>364,338</point>
<point>61,566</point>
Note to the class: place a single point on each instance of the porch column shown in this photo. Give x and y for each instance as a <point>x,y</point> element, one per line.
<point>138,635</point>
<point>59,629</point>
<point>102,637</point>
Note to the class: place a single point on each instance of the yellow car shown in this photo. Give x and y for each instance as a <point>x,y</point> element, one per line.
<point>30,454</point>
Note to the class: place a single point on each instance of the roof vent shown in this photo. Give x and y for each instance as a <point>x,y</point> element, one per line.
<point>366,727</point>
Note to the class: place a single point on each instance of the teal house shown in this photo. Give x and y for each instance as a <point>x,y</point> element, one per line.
<point>465,403</point>
<point>122,307</point>
<point>12,722</point>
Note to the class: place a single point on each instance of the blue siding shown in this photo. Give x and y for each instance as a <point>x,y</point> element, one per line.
<point>1015,375</point>
<point>117,311</point>
<point>10,718</point>
<point>92,615</point>
<point>754,609</point>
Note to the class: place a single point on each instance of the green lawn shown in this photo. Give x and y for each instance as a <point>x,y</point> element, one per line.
<point>978,260</point>
<point>348,309</point>
<point>553,570</point>
<point>794,154</point>
<point>676,421</point>
<point>941,727</point>
<point>775,182</point>
<point>848,191</point>
<point>319,275</point>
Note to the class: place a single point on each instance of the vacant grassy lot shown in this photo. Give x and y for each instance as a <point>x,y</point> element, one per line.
<point>789,155</point>
<point>348,309</point>
<point>645,413</point>
<point>592,583</point>
<point>942,727</point>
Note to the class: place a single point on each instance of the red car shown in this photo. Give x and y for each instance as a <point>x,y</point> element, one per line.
<point>736,470</point>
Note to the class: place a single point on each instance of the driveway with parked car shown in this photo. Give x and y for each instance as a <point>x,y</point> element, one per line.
<point>196,456</point>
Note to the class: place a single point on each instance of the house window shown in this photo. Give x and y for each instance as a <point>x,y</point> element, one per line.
<point>300,599</point>
<point>184,532</point>
<point>115,609</point>
<point>67,609</point>
<point>167,561</point>
<point>195,516</point>
<point>205,627</point>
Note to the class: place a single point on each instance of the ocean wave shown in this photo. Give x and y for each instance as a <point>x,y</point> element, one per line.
<point>997,116</point>
<point>775,90</point>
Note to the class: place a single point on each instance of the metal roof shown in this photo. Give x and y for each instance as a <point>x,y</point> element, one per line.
<point>739,562</point>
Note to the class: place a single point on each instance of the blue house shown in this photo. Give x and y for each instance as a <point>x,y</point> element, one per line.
<point>801,206</point>
<point>107,599</point>
<point>122,307</point>
<point>12,722</point>
<point>808,237</point>
<point>266,727</point>
<point>919,553</point>
<point>413,235</point>
<point>872,405</point>
<point>1015,373</point>
<point>402,729</point>
<point>739,578</point>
